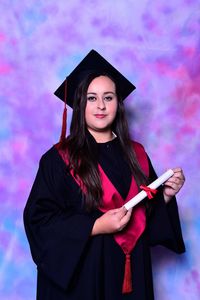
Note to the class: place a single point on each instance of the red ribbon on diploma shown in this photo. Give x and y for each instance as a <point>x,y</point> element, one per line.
<point>148,190</point>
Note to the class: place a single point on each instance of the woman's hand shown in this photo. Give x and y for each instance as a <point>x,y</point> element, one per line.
<point>112,221</point>
<point>173,184</point>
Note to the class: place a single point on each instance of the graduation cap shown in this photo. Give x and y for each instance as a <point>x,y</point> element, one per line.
<point>93,62</point>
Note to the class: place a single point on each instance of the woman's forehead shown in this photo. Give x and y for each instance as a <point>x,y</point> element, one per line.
<point>100,83</point>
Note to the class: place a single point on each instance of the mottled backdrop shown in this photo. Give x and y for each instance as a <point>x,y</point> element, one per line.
<point>156,44</point>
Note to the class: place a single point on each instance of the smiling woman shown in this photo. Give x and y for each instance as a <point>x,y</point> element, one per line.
<point>101,108</point>
<point>85,244</point>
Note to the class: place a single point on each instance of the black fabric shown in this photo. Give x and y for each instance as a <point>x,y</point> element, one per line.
<point>110,154</point>
<point>73,265</point>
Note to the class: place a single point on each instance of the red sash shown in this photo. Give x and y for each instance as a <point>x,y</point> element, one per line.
<point>129,236</point>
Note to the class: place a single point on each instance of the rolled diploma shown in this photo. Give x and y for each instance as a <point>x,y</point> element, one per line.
<point>140,196</point>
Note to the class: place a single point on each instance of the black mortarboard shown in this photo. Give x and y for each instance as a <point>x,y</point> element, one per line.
<point>93,61</point>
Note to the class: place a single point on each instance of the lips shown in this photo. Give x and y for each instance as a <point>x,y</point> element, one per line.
<point>100,116</point>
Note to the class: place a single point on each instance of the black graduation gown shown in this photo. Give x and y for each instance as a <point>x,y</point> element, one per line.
<point>71,263</point>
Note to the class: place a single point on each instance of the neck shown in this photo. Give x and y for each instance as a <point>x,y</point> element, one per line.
<point>102,137</point>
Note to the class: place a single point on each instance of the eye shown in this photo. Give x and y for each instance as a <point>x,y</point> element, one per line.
<point>91,98</point>
<point>108,98</point>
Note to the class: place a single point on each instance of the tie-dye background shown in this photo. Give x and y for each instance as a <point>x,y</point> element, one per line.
<point>156,44</point>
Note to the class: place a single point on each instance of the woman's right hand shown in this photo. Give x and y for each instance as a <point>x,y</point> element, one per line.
<point>112,221</point>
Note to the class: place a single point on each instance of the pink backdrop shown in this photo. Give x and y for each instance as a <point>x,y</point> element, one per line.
<point>156,44</point>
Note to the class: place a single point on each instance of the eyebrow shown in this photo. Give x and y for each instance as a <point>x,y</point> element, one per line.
<point>103,93</point>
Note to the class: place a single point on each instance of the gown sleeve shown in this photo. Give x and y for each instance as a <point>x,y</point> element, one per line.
<point>164,224</point>
<point>56,225</point>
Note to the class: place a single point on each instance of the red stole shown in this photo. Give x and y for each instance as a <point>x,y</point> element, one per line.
<point>129,236</point>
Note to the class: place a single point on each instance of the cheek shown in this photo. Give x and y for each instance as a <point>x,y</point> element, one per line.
<point>114,108</point>
<point>87,111</point>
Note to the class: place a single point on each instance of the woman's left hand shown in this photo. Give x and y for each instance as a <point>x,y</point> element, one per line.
<point>173,184</point>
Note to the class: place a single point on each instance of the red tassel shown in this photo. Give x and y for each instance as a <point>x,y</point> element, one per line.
<point>127,284</point>
<point>64,125</point>
<point>64,120</point>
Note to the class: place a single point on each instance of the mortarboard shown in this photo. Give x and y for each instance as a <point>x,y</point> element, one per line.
<point>93,62</point>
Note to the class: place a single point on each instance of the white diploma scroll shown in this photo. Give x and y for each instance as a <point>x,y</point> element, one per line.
<point>140,196</point>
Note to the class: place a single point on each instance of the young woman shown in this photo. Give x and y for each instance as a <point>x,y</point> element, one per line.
<point>85,244</point>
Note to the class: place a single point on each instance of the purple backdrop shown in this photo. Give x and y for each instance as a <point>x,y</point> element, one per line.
<point>156,44</point>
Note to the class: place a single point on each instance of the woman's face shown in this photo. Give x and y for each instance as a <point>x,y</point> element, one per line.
<point>101,106</point>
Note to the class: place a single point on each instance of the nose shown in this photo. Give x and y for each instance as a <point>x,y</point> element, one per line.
<point>100,103</point>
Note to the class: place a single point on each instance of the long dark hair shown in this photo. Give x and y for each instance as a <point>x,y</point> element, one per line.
<point>79,147</point>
